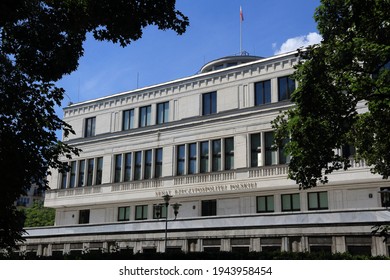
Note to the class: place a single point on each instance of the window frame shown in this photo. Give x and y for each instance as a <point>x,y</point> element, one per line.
<point>265,94</point>
<point>125,214</point>
<point>289,86</point>
<point>291,202</point>
<point>90,127</point>
<point>162,115</point>
<point>145,115</point>
<point>318,200</point>
<point>209,103</point>
<point>267,207</point>
<point>144,212</point>
<point>128,119</point>
<point>209,207</point>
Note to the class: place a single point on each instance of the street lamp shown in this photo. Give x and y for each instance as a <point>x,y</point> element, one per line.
<point>158,211</point>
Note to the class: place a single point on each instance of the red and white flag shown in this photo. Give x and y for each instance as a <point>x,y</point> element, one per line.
<point>241,14</point>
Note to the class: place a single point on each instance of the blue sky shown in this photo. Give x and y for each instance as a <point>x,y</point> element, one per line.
<point>269,27</point>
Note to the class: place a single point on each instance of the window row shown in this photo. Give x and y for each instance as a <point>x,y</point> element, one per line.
<point>138,165</point>
<point>205,156</point>
<point>85,172</point>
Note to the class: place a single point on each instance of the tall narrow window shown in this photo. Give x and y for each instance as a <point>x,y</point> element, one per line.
<point>265,203</point>
<point>209,207</point>
<point>138,165</point>
<point>90,124</point>
<point>118,168</point>
<point>263,92</point>
<point>290,202</point>
<point>270,152</point>
<point>128,119</point>
<point>192,158</point>
<point>229,153</point>
<point>124,213</point>
<point>148,164</point>
<point>141,212</point>
<point>283,157</point>
<point>256,158</point>
<point>72,181</point>
<point>90,171</point>
<point>99,171</point>
<point>162,112</point>
<point>317,200</point>
<point>64,179</point>
<point>204,157</point>
<point>127,167</point>
<point>158,163</point>
<point>209,103</point>
<point>286,86</point>
<point>145,116</point>
<point>180,160</point>
<point>216,166</point>
<point>81,173</point>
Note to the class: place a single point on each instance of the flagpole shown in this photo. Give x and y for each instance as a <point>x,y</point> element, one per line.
<point>241,20</point>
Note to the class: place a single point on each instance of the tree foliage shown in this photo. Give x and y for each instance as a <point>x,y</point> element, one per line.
<point>40,41</point>
<point>349,69</point>
<point>38,215</point>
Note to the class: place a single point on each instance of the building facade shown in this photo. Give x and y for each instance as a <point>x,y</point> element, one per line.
<point>205,140</point>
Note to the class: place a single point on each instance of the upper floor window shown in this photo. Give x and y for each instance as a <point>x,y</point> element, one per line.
<point>90,124</point>
<point>229,153</point>
<point>84,216</point>
<point>162,112</point>
<point>286,86</point>
<point>209,207</point>
<point>216,150</point>
<point>291,202</point>
<point>141,212</point>
<point>263,92</point>
<point>158,157</point>
<point>124,213</point>
<point>192,158</point>
<point>81,173</point>
<point>180,160</point>
<point>265,204</point>
<point>209,103</point>
<point>317,200</point>
<point>128,119</point>
<point>145,116</point>
<point>256,158</point>
<point>118,168</point>
<point>148,164</point>
<point>90,170</point>
<point>99,171</point>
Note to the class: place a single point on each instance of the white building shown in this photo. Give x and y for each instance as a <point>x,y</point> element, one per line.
<point>206,141</point>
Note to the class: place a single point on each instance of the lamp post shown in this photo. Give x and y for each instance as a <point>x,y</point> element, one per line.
<point>158,210</point>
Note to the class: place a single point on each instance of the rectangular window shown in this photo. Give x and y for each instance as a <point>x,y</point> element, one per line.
<point>138,166</point>
<point>265,204</point>
<point>192,156</point>
<point>229,153</point>
<point>127,167</point>
<point>90,124</point>
<point>148,164</point>
<point>209,103</point>
<point>385,197</point>
<point>270,152</point>
<point>118,168</point>
<point>286,86</point>
<point>128,119</point>
<point>283,157</point>
<point>141,212</point>
<point>317,200</point>
<point>216,144</point>
<point>204,157</point>
<point>90,171</point>
<point>145,116</point>
<point>99,171</point>
<point>158,163</point>
<point>159,211</point>
<point>162,112</point>
<point>256,159</point>
<point>72,182</point>
<point>180,159</point>
<point>81,173</point>
<point>84,216</point>
<point>124,213</point>
<point>290,202</point>
<point>64,179</point>
<point>262,92</point>
<point>209,207</point>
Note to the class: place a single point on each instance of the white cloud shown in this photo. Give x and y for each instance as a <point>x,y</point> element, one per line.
<point>297,42</point>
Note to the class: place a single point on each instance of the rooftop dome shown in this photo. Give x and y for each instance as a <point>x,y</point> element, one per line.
<point>228,61</point>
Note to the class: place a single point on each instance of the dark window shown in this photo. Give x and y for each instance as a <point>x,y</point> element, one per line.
<point>229,153</point>
<point>385,197</point>
<point>158,163</point>
<point>204,157</point>
<point>159,211</point>
<point>270,152</point>
<point>64,179</point>
<point>162,112</point>
<point>81,173</point>
<point>209,207</point>
<point>283,157</point>
<point>124,213</point>
<point>256,159</point>
<point>180,159</point>
<point>145,116</point>
<point>90,124</point>
<point>263,92</point>
<point>72,182</point>
<point>290,202</point>
<point>209,103</point>
<point>128,119</point>
<point>348,151</point>
<point>265,204</point>
<point>138,166</point>
<point>90,172</point>
<point>127,167</point>
<point>216,146</point>
<point>148,164</point>
<point>286,86</point>
<point>192,156</point>
<point>141,212</point>
<point>84,216</point>
<point>118,168</point>
<point>317,200</point>
<point>99,171</point>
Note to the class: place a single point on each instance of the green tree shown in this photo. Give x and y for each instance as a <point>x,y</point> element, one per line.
<point>350,68</point>
<point>39,216</point>
<point>40,41</point>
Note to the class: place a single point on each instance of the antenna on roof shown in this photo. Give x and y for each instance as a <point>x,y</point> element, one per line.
<point>241,20</point>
